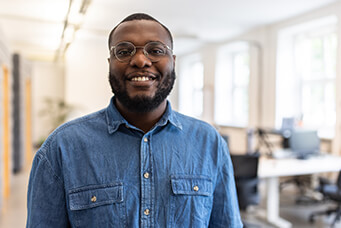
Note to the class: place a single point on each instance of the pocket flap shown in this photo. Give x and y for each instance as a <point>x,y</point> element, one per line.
<point>96,195</point>
<point>191,185</point>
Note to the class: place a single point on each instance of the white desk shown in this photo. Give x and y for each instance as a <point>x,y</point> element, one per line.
<point>272,169</point>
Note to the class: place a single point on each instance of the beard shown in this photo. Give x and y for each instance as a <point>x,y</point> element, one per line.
<point>142,104</point>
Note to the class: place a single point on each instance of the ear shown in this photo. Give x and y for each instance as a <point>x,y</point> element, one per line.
<point>108,60</point>
<point>174,58</point>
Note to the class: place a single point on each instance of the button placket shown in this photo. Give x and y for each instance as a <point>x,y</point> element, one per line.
<point>147,188</point>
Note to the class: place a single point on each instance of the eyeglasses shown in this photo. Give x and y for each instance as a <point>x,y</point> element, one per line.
<point>154,51</point>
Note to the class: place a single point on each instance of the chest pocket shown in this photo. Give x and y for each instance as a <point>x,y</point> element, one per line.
<point>191,185</point>
<point>97,206</point>
<point>192,200</point>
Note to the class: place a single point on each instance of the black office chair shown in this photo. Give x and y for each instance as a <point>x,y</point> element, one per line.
<point>330,192</point>
<point>246,177</point>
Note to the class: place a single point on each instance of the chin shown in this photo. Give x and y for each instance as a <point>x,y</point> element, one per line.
<point>142,101</point>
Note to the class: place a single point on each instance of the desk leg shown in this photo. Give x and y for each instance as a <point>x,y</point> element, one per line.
<point>272,204</point>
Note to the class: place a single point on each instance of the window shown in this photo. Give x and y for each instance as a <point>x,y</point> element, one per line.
<point>306,72</point>
<point>191,86</point>
<point>232,85</point>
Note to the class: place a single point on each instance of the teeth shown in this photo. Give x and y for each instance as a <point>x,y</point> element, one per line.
<point>140,79</point>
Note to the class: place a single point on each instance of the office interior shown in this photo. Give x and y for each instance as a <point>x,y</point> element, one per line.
<point>245,67</point>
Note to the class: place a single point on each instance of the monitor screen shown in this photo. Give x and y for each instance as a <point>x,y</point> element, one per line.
<point>304,142</point>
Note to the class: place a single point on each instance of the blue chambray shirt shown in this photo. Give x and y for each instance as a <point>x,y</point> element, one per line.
<point>100,171</point>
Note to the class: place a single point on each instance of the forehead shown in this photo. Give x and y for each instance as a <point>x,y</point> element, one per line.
<point>140,32</point>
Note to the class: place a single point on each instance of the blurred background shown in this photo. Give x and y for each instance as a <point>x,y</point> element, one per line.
<point>241,65</point>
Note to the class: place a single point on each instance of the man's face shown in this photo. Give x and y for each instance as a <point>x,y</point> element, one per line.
<point>141,85</point>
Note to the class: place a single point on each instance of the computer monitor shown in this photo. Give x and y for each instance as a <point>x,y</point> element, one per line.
<point>304,143</point>
<point>288,125</point>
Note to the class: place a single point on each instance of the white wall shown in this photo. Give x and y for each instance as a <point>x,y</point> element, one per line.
<point>86,76</point>
<point>47,82</point>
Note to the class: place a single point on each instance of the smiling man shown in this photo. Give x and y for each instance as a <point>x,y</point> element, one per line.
<point>141,70</point>
<point>136,163</point>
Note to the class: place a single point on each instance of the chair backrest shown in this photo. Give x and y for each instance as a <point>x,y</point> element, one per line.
<point>245,165</point>
<point>245,172</point>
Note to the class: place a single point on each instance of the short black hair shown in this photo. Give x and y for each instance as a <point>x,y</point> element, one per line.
<point>140,16</point>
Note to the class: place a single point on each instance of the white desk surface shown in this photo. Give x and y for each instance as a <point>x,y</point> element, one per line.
<point>269,167</point>
<point>272,169</point>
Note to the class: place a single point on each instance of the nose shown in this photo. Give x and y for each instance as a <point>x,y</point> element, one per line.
<point>140,60</point>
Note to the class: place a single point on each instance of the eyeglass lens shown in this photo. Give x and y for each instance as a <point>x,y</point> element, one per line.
<point>153,50</point>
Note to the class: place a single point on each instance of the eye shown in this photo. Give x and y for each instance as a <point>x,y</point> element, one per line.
<point>124,49</point>
<point>155,49</point>
<point>123,52</point>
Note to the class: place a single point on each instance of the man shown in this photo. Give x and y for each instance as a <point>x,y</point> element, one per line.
<point>136,163</point>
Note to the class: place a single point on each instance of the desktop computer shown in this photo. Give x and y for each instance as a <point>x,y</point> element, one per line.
<point>304,143</point>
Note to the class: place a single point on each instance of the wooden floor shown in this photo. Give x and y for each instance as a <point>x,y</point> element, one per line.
<point>13,213</point>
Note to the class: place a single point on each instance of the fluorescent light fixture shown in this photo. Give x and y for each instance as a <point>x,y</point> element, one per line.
<point>75,6</point>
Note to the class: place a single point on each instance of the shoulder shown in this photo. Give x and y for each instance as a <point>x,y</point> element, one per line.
<point>204,137</point>
<point>96,116</point>
<point>191,124</point>
<point>61,141</point>
<point>75,127</point>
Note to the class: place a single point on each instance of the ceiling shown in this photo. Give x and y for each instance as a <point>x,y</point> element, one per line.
<point>38,28</point>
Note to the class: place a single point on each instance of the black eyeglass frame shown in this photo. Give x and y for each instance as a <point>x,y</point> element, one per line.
<point>112,51</point>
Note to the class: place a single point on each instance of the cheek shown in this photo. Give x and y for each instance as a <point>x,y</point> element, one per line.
<point>166,67</point>
<point>116,69</point>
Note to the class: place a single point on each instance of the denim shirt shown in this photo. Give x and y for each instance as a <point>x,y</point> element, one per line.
<point>100,171</point>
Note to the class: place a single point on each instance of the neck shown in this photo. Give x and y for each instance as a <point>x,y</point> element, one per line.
<point>145,120</point>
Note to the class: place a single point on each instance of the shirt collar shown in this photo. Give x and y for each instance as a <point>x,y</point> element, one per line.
<point>115,119</point>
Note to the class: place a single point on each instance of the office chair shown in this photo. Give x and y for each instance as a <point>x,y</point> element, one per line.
<point>246,177</point>
<point>331,192</point>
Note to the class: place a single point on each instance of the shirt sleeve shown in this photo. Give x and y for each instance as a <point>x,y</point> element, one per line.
<point>225,211</point>
<point>46,205</point>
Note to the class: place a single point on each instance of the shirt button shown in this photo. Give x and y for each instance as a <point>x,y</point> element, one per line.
<point>146,175</point>
<point>196,188</point>
<point>146,212</point>
<point>93,199</point>
<point>145,139</point>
